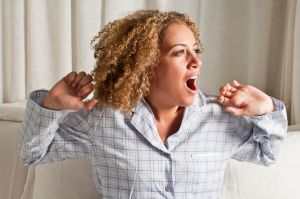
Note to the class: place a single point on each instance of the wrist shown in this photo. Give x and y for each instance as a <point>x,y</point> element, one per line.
<point>272,106</point>
<point>49,102</point>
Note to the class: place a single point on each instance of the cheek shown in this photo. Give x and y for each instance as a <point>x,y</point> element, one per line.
<point>171,71</point>
<point>171,81</point>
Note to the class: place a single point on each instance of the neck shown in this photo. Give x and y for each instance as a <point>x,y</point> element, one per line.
<point>168,118</point>
<point>163,111</point>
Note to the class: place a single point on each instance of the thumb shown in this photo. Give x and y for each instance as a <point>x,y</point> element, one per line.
<point>80,105</point>
<point>236,111</point>
<point>90,104</point>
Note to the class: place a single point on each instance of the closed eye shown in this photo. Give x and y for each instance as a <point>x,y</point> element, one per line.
<point>179,52</point>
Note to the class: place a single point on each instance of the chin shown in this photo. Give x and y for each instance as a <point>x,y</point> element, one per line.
<point>188,101</point>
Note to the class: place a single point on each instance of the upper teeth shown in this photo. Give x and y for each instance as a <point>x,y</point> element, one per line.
<point>194,77</point>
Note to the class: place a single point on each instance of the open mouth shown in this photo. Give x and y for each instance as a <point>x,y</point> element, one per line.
<point>192,84</point>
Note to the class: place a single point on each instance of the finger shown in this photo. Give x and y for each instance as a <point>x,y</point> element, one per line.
<point>223,100</point>
<point>232,110</point>
<point>227,94</point>
<point>84,81</point>
<point>85,91</point>
<point>78,79</point>
<point>230,88</point>
<point>227,88</point>
<point>220,99</point>
<point>70,77</point>
<point>223,89</point>
<point>236,84</point>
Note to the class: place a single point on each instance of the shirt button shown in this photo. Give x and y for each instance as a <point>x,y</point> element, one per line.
<point>168,188</point>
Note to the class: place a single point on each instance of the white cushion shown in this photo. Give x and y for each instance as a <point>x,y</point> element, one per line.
<point>13,174</point>
<point>246,181</point>
<point>69,179</point>
<point>295,127</point>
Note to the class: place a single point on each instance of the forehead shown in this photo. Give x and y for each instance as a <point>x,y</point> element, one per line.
<point>178,33</point>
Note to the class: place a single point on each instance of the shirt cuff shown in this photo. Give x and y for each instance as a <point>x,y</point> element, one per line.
<point>34,106</point>
<point>279,112</point>
<point>272,123</point>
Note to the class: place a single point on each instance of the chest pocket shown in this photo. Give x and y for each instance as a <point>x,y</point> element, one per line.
<point>202,172</point>
<point>208,168</point>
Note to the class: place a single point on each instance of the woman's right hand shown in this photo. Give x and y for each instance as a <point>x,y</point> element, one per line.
<point>69,93</point>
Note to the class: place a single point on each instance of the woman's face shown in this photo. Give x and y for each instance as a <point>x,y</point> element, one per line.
<point>174,82</point>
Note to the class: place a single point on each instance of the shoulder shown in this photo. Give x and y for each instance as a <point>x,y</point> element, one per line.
<point>106,112</point>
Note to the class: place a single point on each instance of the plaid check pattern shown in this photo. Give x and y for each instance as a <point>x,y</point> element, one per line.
<point>130,160</point>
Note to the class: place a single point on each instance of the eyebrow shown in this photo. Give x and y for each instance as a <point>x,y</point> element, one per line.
<point>195,44</point>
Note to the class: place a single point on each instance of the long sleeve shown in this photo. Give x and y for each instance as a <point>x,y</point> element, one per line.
<point>261,136</point>
<point>43,138</point>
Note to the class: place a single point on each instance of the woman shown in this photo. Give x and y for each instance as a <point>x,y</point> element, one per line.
<point>149,132</point>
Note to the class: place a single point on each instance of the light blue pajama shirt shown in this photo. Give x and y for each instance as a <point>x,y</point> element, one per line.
<point>130,160</point>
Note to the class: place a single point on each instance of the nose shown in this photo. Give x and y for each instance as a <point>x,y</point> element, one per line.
<point>194,62</point>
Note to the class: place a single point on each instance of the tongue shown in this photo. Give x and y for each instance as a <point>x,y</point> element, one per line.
<point>191,84</point>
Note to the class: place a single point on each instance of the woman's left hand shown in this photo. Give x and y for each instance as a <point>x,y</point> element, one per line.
<point>244,100</point>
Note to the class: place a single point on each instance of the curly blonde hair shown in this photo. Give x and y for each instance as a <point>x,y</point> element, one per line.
<point>126,52</point>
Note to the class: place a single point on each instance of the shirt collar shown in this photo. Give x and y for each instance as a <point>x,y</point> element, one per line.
<point>198,102</point>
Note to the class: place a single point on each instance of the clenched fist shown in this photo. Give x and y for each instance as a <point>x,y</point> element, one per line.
<point>244,100</point>
<point>69,93</point>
